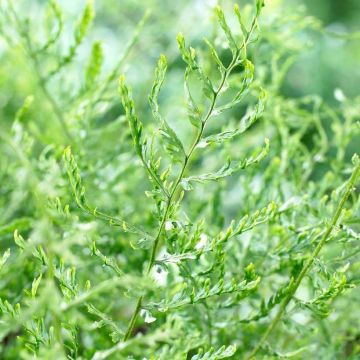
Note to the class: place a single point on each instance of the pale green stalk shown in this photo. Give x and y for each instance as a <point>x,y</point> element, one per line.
<point>182,171</point>
<point>310,261</point>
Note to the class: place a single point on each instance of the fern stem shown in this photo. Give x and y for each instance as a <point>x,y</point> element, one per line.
<point>309,262</point>
<point>54,104</point>
<point>186,162</point>
<point>232,65</point>
<point>32,55</point>
<point>171,196</point>
<point>128,47</point>
<point>133,319</point>
<point>153,175</point>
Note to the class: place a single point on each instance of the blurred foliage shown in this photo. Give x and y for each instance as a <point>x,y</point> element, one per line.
<point>185,245</point>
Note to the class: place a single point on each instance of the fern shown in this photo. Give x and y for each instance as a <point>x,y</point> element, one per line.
<point>172,196</point>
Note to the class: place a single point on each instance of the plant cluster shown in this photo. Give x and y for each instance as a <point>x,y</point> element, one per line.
<point>221,225</point>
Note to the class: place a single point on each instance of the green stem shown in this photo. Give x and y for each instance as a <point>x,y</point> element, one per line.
<point>153,175</point>
<point>154,249</point>
<point>33,57</point>
<point>309,262</point>
<point>169,202</point>
<point>186,160</point>
<point>56,108</point>
<point>133,319</point>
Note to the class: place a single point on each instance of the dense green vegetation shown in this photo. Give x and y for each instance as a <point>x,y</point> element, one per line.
<point>178,180</point>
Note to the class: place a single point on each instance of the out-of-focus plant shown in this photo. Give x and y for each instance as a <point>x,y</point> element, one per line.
<point>169,232</point>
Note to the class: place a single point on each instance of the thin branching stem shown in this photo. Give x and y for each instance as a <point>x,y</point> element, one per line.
<point>153,176</point>
<point>195,144</point>
<point>310,261</point>
<point>33,57</point>
<point>187,157</point>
